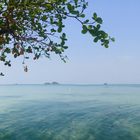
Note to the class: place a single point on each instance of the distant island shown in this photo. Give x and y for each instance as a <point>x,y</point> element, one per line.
<point>52,83</point>
<point>105,84</point>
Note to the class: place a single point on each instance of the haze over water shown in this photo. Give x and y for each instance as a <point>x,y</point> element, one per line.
<point>70,112</point>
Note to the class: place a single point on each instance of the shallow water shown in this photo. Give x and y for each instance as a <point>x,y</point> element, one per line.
<point>70,112</point>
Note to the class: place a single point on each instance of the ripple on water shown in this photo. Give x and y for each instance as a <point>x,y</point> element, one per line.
<point>97,117</point>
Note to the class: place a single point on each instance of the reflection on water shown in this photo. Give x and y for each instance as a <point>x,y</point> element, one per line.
<point>38,112</point>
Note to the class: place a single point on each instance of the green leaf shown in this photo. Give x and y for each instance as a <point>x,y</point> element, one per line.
<point>96,39</point>
<point>86,21</point>
<point>113,39</point>
<point>92,32</point>
<point>84,31</point>
<point>44,18</point>
<point>75,12</point>
<point>106,46</point>
<point>7,50</point>
<point>89,27</point>
<point>65,47</point>
<point>53,30</point>
<point>99,20</point>
<point>82,16</point>
<point>76,1</point>
<point>94,16</point>
<point>70,7</point>
<point>98,26</point>
<point>59,29</point>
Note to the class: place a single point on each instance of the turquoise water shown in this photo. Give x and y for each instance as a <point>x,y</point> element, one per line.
<point>69,112</point>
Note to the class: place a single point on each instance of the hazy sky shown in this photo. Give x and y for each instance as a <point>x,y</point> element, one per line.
<point>88,62</point>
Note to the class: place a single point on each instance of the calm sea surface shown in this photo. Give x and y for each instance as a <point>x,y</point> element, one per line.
<point>70,112</point>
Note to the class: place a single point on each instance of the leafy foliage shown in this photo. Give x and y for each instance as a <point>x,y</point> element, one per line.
<point>36,27</point>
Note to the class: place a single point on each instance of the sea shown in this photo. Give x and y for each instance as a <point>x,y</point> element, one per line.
<point>70,112</point>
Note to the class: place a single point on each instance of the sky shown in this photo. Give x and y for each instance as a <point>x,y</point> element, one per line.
<point>90,63</point>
